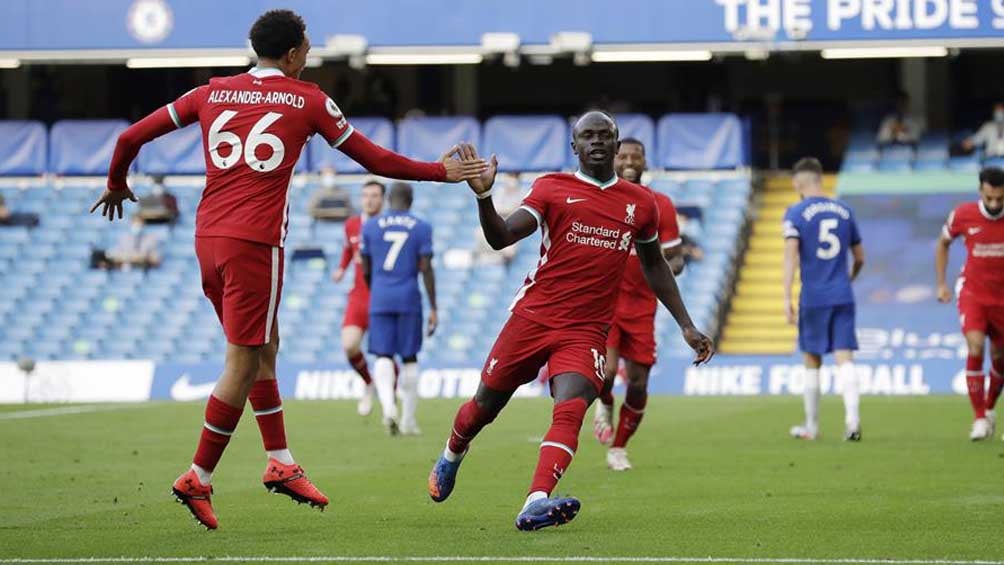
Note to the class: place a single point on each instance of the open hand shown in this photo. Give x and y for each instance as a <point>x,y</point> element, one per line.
<point>789,313</point>
<point>112,201</point>
<point>944,294</point>
<point>457,169</point>
<point>338,275</point>
<point>483,182</point>
<point>700,343</point>
<point>433,323</point>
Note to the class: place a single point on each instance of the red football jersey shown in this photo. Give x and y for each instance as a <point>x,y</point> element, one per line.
<point>350,254</point>
<point>588,229</point>
<point>254,126</point>
<point>983,272</point>
<point>636,297</point>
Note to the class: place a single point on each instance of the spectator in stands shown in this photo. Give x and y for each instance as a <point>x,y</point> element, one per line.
<point>899,127</point>
<point>689,247</point>
<point>330,202</point>
<point>506,201</point>
<point>990,136</point>
<point>12,219</point>
<point>137,248</point>
<point>160,206</point>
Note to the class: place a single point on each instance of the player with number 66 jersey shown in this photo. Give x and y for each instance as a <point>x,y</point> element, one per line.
<point>254,127</point>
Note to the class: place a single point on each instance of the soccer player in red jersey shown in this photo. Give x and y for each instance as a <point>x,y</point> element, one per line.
<point>357,309</point>
<point>980,292</point>
<point>255,125</point>
<point>589,222</point>
<point>632,331</point>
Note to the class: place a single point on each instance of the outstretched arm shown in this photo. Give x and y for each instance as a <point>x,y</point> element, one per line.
<point>502,233</point>
<point>386,163</point>
<point>660,277</point>
<point>790,260</point>
<point>126,148</point>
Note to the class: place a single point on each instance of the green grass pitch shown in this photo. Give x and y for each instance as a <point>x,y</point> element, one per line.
<point>713,477</point>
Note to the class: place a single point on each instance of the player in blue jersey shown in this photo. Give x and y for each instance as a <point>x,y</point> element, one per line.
<point>396,248</point>
<point>819,232</point>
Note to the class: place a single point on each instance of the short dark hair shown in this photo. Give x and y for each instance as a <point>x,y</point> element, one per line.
<point>994,176</point>
<point>633,141</point>
<point>808,165</point>
<point>276,32</point>
<point>380,185</point>
<point>402,193</point>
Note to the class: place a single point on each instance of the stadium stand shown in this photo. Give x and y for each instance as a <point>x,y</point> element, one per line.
<point>54,306</point>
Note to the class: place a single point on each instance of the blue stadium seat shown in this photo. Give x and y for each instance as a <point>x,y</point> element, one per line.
<point>83,147</point>
<point>700,141</point>
<point>426,138</point>
<point>179,152</point>
<point>527,143</point>
<point>24,148</point>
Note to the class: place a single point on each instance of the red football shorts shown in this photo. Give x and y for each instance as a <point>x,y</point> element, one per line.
<point>524,346</point>
<point>634,338</point>
<point>243,280</point>
<point>977,315</point>
<point>357,310</point>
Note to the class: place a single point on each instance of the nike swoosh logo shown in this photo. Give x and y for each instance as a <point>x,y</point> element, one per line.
<point>184,390</point>
<point>571,200</point>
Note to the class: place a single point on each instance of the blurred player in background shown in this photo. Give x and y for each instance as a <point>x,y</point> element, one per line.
<point>981,292</point>
<point>632,332</point>
<point>396,248</point>
<point>357,308</point>
<point>819,232</point>
<point>254,126</point>
<point>589,221</point>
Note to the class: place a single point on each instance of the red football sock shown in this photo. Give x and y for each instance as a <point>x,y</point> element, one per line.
<point>267,405</point>
<point>358,362</point>
<point>996,382</point>
<point>470,419</point>
<point>559,445</point>
<point>974,381</point>
<point>631,414</point>
<point>221,421</point>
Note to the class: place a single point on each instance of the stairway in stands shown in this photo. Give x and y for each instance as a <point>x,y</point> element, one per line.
<point>755,324</point>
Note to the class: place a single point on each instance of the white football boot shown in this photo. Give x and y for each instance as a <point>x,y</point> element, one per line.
<point>981,429</point>
<point>603,424</point>
<point>805,431</point>
<point>365,405</point>
<point>617,459</point>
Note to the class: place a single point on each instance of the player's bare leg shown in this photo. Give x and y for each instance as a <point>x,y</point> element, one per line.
<point>573,393</point>
<point>603,419</point>
<point>631,413</point>
<point>471,418</point>
<point>848,379</point>
<point>223,412</point>
<point>975,343</point>
<point>282,474</point>
<point>810,399</point>
<point>352,339</point>
<point>996,380</point>
<point>384,381</point>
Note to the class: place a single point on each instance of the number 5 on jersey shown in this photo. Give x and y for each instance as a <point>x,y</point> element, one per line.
<point>256,138</point>
<point>829,243</point>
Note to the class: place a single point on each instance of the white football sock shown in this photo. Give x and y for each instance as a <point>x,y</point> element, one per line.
<point>811,399</point>
<point>409,393</point>
<point>852,394</point>
<point>383,381</point>
<point>282,456</point>
<point>533,497</point>
<point>451,456</point>
<point>205,477</point>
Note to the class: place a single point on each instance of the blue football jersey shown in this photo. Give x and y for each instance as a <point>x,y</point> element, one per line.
<point>826,231</point>
<point>394,242</point>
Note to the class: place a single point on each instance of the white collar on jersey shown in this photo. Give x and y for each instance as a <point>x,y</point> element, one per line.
<point>596,182</point>
<point>262,73</point>
<point>986,213</point>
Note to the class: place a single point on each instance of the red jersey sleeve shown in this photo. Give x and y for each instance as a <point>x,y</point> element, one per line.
<point>327,119</point>
<point>347,251</point>
<point>535,201</point>
<point>953,227</point>
<point>649,231</point>
<point>669,229</point>
<point>185,110</point>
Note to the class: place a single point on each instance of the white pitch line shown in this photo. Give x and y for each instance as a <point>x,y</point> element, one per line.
<point>505,559</point>
<point>60,411</point>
